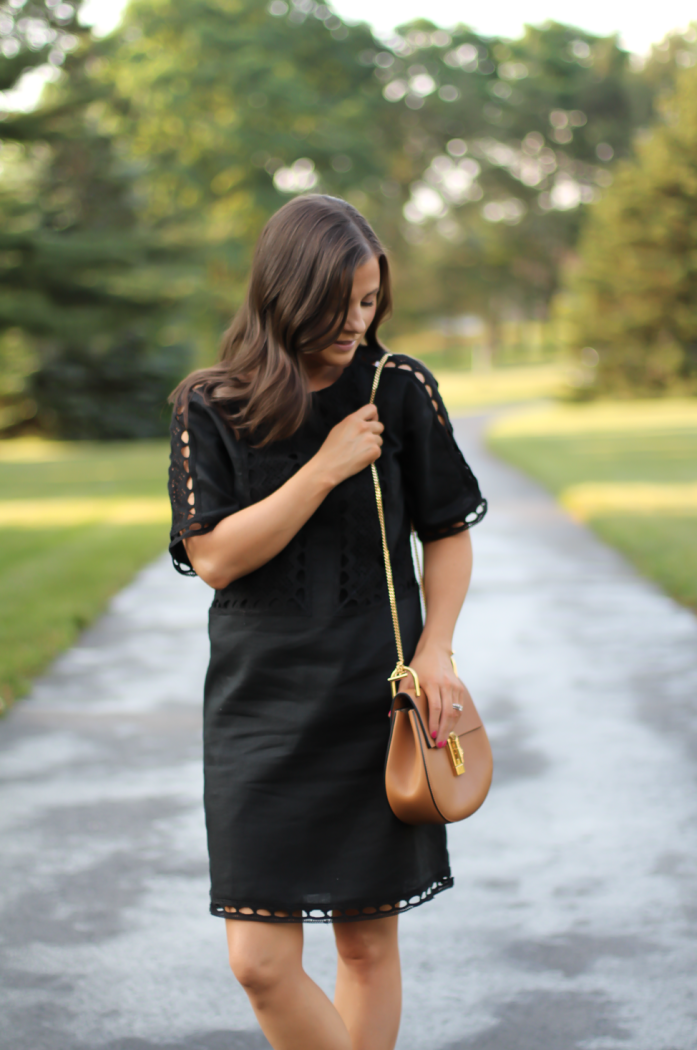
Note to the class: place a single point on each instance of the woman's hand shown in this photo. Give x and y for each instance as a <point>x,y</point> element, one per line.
<point>447,570</point>
<point>351,445</point>
<point>441,687</point>
<point>251,537</point>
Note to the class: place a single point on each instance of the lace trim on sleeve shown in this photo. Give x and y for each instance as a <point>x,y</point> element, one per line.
<point>473,517</point>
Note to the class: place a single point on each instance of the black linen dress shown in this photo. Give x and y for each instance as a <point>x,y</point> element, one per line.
<point>296,699</point>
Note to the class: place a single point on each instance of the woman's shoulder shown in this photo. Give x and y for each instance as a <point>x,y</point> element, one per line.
<point>412,368</point>
<point>194,410</point>
<point>418,386</point>
<point>207,391</point>
<point>191,410</point>
<point>195,388</point>
<point>413,380</point>
<point>409,369</point>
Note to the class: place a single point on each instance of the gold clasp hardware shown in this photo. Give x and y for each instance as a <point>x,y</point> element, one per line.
<point>456,755</point>
<point>402,671</point>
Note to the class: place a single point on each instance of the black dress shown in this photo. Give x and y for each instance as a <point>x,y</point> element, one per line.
<point>296,697</point>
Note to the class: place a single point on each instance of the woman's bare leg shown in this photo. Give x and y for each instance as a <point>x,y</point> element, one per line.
<point>294,1014</point>
<point>369,982</point>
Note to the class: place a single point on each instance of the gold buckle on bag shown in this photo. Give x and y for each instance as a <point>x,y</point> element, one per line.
<point>402,671</point>
<point>457,756</point>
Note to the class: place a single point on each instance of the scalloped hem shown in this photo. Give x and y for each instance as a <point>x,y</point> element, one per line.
<point>250,913</point>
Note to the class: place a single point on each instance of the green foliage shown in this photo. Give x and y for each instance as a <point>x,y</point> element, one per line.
<point>634,289</point>
<point>17,363</point>
<point>212,99</point>
<point>472,156</point>
<point>678,50</point>
<point>132,197</point>
<point>507,135</point>
<point>120,393</point>
<point>35,32</point>
<point>80,274</point>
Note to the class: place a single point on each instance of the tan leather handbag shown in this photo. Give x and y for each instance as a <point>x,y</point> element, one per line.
<point>426,784</point>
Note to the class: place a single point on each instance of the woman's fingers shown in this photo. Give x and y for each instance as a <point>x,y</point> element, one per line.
<point>435,707</point>
<point>369,414</point>
<point>444,694</point>
<point>352,444</point>
<point>449,696</point>
<point>446,715</point>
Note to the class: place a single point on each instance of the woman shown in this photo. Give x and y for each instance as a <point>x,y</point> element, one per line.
<point>274,507</point>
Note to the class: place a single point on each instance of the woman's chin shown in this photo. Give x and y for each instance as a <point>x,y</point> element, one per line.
<point>338,355</point>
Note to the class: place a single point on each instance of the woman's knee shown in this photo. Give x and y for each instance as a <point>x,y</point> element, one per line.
<point>262,956</point>
<point>367,946</point>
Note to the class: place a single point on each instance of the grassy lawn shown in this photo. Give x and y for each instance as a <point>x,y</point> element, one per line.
<point>627,468</point>
<point>469,391</point>
<point>77,520</point>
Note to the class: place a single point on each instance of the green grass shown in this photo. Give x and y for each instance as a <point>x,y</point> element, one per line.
<point>55,581</point>
<point>558,460</point>
<point>465,392</point>
<point>662,548</point>
<point>637,449</point>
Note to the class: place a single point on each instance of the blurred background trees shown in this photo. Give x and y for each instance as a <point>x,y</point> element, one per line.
<point>634,285</point>
<point>88,297</point>
<point>507,177</point>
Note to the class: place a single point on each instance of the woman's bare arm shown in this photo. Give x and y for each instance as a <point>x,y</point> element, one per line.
<point>253,536</point>
<point>447,572</point>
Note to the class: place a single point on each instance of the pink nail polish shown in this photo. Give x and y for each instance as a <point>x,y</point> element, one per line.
<point>434,735</point>
<point>442,743</point>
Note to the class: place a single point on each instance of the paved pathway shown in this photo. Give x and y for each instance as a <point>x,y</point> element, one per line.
<point>574,918</point>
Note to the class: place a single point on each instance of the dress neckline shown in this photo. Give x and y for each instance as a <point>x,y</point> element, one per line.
<point>350,368</point>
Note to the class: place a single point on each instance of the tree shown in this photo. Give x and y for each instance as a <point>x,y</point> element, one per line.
<point>475,153</point>
<point>633,291</point>
<point>225,110</point>
<point>82,277</point>
<point>678,50</point>
<point>132,198</point>
<point>514,140</point>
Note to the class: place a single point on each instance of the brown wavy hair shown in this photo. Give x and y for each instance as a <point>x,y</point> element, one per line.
<point>297,302</point>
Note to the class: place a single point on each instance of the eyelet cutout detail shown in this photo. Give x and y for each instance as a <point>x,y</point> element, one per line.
<point>280,585</point>
<point>181,487</point>
<point>185,449</point>
<point>452,529</point>
<point>245,911</point>
<point>404,367</point>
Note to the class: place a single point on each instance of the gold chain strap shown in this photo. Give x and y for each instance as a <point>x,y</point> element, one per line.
<point>401,669</point>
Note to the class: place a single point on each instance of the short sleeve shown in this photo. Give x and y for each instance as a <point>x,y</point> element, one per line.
<point>443,495</point>
<point>201,477</point>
